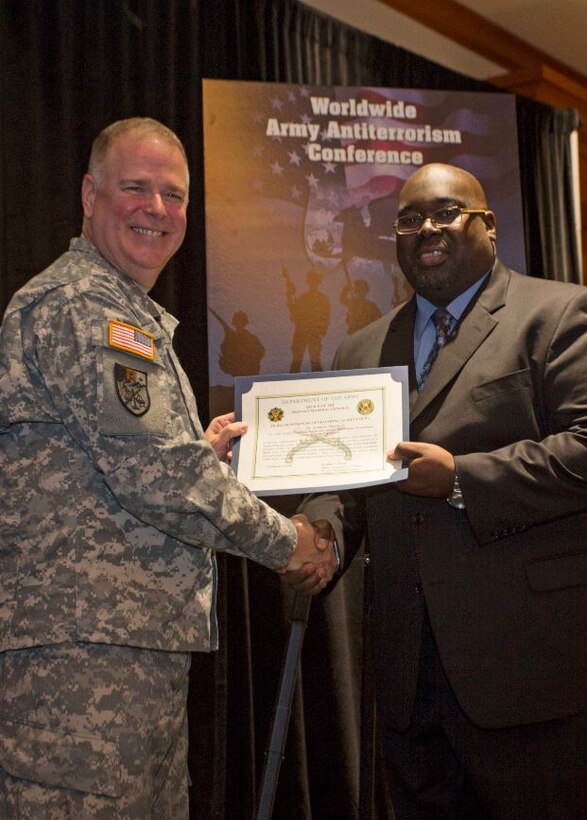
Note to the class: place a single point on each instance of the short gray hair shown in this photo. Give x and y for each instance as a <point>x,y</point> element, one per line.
<point>139,127</point>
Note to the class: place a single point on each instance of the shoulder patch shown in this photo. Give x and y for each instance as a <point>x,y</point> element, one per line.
<point>132,389</point>
<point>132,339</point>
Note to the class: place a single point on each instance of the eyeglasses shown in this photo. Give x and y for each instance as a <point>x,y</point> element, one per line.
<point>411,223</point>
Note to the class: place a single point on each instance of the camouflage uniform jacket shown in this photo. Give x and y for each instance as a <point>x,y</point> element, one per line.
<point>112,501</point>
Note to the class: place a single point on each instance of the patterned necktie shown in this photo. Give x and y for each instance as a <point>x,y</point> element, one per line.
<point>442,322</point>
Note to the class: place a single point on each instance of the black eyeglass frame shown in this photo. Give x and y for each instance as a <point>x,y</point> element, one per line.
<point>459,212</point>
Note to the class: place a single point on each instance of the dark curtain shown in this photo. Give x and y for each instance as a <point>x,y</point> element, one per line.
<point>70,67</point>
<point>552,250</point>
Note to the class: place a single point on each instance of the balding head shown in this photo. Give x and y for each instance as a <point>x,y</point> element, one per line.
<point>447,180</point>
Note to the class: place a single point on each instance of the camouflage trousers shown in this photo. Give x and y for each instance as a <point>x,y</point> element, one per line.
<point>91,731</point>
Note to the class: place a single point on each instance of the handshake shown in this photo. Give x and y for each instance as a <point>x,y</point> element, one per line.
<point>314,560</point>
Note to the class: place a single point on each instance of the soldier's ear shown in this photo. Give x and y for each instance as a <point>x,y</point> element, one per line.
<point>89,187</point>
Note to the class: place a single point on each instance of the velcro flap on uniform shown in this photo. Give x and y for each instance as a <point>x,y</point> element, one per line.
<point>72,761</point>
<point>133,395</point>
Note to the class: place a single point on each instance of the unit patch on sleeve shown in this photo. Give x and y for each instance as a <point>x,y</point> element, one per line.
<point>132,389</point>
<point>132,339</point>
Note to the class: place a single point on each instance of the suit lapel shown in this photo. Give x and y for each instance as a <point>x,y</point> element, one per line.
<point>398,344</point>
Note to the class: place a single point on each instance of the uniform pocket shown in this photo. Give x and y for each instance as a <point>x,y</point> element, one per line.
<point>81,762</point>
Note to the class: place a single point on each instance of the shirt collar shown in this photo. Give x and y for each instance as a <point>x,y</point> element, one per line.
<point>456,308</point>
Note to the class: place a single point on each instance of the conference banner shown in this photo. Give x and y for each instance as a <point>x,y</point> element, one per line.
<point>301,187</point>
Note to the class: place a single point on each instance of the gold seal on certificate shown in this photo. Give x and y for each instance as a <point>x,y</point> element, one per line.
<point>321,431</point>
<point>365,406</point>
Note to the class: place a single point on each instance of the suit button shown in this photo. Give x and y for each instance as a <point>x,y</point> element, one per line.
<point>419,589</point>
<point>418,519</point>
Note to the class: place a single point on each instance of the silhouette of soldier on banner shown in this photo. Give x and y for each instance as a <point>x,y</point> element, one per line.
<point>241,351</point>
<point>310,314</point>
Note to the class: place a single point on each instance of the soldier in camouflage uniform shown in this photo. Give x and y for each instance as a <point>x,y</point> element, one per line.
<point>114,501</point>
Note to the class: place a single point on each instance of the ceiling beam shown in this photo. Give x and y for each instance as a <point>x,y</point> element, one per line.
<point>458,23</point>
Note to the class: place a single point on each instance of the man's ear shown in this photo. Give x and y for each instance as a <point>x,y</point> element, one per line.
<point>88,194</point>
<point>490,224</point>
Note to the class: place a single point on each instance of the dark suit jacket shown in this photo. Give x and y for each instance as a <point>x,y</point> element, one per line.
<point>504,582</point>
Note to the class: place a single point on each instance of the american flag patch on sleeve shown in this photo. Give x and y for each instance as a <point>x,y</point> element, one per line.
<point>132,339</point>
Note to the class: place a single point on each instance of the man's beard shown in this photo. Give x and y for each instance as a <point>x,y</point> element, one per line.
<point>431,281</point>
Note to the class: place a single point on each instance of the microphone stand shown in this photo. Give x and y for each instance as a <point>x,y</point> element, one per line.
<point>274,754</point>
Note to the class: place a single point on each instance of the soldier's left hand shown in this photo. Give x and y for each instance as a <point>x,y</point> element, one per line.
<point>220,434</point>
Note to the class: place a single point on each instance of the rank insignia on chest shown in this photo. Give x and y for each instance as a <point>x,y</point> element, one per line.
<point>132,389</point>
<point>132,339</point>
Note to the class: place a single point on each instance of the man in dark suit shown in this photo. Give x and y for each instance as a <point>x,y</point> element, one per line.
<point>479,558</point>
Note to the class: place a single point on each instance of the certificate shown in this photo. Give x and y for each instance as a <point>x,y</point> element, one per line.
<point>321,431</point>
